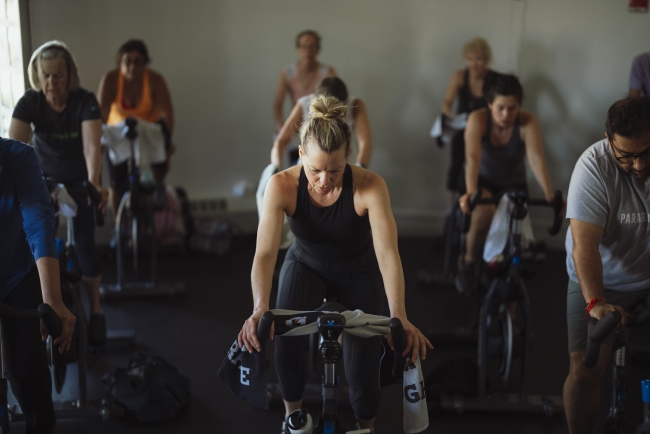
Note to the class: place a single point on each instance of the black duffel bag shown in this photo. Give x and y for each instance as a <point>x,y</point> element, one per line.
<point>150,389</point>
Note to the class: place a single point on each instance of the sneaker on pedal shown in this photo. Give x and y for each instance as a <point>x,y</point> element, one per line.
<point>466,279</point>
<point>97,329</point>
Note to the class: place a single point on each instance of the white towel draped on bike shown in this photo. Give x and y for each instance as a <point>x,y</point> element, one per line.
<point>149,145</point>
<point>357,323</point>
<point>498,235</point>
<point>67,205</point>
<point>445,127</point>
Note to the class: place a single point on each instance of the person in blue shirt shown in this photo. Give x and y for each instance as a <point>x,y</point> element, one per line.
<point>27,239</point>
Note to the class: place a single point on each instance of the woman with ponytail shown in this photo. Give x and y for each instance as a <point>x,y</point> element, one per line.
<point>346,244</point>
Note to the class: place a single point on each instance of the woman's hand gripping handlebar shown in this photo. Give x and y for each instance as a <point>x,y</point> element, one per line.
<point>404,338</point>
<point>45,313</point>
<point>95,197</point>
<point>51,324</point>
<point>599,330</point>
<point>407,340</point>
<point>96,201</point>
<point>257,328</point>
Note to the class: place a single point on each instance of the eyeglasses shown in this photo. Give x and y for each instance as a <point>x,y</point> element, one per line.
<point>629,158</point>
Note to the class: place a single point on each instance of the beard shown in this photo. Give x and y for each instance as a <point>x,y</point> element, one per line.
<point>641,175</point>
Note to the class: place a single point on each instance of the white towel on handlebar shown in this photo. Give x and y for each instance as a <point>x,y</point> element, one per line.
<point>497,237</point>
<point>445,127</point>
<point>149,145</point>
<point>357,323</point>
<point>67,205</point>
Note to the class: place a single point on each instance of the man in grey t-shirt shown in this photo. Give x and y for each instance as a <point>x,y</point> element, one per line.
<point>608,245</point>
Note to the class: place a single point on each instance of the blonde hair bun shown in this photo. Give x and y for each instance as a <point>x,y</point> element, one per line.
<point>326,123</point>
<point>327,107</point>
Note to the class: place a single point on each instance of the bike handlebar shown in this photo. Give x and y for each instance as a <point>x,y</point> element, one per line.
<point>264,326</point>
<point>399,343</point>
<point>44,312</point>
<point>557,205</point>
<point>51,320</point>
<point>395,325</point>
<point>88,188</point>
<point>95,199</point>
<point>598,331</point>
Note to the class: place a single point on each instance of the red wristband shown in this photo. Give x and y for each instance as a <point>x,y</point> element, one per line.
<point>591,305</point>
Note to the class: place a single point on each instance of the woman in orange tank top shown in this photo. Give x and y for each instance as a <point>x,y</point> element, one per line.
<point>134,90</point>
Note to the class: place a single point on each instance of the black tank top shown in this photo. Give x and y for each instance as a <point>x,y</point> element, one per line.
<point>333,232</point>
<point>467,102</point>
<point>503,166</point>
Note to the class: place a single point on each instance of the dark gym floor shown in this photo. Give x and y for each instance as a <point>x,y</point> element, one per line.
<point>195,332</point>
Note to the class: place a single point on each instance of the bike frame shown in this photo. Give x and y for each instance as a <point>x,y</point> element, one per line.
<point>506,289</point>
<point>598,331</point>
<point>330,327</point>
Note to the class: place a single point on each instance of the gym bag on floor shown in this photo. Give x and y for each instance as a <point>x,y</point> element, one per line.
<point>150,389</point>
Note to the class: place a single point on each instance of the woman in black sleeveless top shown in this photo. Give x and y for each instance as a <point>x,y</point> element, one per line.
<point>497,140</point>
<point>466,87</point>
<point>346,244</point>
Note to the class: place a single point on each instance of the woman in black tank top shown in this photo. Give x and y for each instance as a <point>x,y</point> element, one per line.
<point>340,215</point>
<point>466,88</point>
<point>498,138</point>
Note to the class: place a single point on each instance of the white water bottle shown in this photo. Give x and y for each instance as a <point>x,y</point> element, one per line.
<point>299,422</point>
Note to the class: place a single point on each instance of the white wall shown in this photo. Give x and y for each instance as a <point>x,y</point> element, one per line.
<point>222,59</point>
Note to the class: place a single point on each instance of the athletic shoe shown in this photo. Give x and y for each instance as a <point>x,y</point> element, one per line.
<point>97,329</point>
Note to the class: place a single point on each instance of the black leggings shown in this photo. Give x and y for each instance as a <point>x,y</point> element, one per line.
<point>84,234</point>
<point>456,174</point>
<point>303,285</point>
<point>26,359</point>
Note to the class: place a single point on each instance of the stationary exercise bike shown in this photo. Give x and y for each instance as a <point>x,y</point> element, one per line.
<point>504,325</point>
<point>598,331</point>
<point>135,230</point>
<point>330,324</point>
<point>70,274</point>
